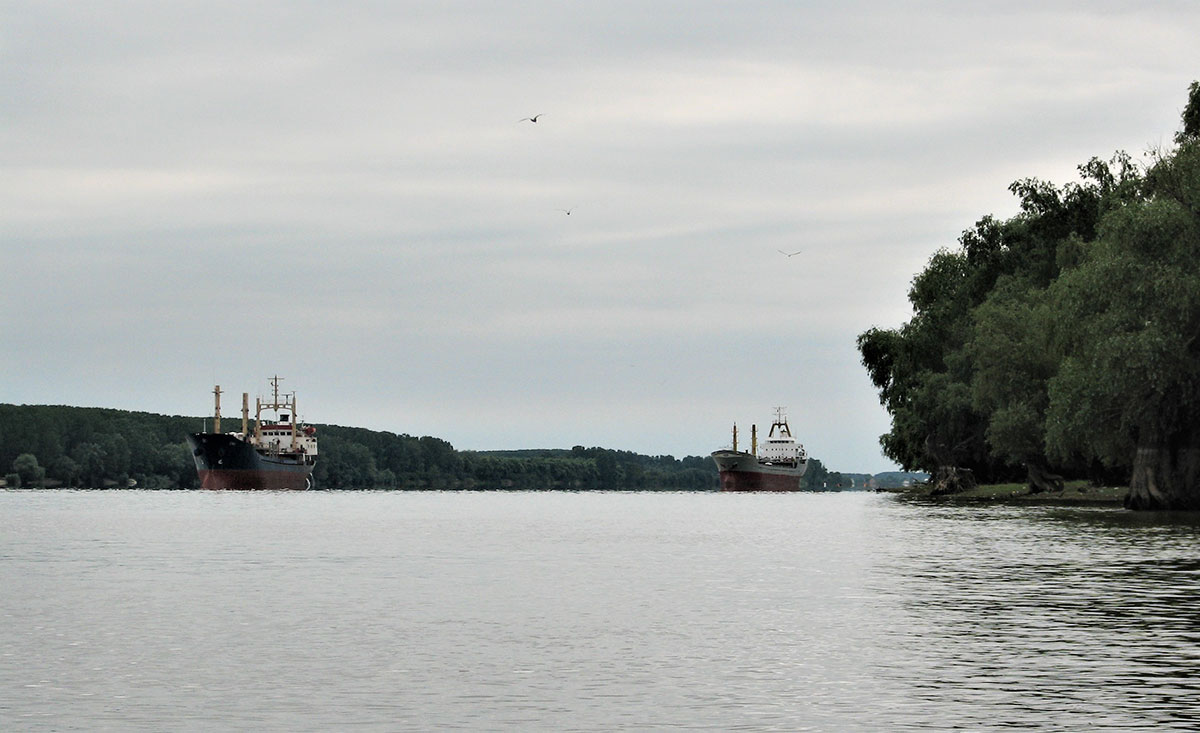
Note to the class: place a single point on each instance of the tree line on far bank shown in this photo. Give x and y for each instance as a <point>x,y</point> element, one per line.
<point>1062,342</point>
<point>85,447</point>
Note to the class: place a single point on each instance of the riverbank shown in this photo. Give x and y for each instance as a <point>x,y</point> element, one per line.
<point>1077,493</point>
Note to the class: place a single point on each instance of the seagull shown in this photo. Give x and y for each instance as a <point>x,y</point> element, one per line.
<point>567,211</point>
<point>789,254</point>
<point>533,119</point>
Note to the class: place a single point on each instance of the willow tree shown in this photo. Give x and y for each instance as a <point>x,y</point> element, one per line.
<point>1128,388</point>
<point>965,379</point>
<point>1068,334</point>
<point>923,377</point>
<point>1014,363</point>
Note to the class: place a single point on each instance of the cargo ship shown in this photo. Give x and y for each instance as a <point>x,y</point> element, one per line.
<point>777,465</point>
<point>276,453</point>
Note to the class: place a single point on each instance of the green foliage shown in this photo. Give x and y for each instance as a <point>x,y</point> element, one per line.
<point>94,448</point>
<point>97,448</point>
<point>1130,317</point>
<point>1013,362</point>
<point>965,380</point>
<point>28,472</point>
<point>816,476</point>
<point>1191,115</point>
<point>1067,336</point>
<point>919,368</point>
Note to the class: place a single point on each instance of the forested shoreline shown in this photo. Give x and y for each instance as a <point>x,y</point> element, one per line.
<point>1063,342</point>
<point>90,447</point>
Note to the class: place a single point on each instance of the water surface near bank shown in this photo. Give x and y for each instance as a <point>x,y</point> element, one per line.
<point>591,611</point>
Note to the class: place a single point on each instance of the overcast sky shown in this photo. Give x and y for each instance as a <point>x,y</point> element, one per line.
<point>196,193</point>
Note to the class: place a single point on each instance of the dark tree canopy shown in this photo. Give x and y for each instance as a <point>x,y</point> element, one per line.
<point>45,445</point>
<point>84,447</point>
<point>1064,340</point>
<point>1191,115</point>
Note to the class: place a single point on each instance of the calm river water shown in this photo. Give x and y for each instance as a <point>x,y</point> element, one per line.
<point>590,612</point>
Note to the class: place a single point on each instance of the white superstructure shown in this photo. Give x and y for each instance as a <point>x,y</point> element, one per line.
<point>780,446</point>
<point>284,434</point>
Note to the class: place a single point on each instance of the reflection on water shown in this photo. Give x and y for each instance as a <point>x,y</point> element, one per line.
<point>1050,618</point>
<point>591,612</point>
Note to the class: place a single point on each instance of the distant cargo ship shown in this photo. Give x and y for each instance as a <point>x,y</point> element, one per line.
<point>278,454</point>
<point>779,465</point>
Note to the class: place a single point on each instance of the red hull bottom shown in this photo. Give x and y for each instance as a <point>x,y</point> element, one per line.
<point>253,480</point>
<point>752,481</point>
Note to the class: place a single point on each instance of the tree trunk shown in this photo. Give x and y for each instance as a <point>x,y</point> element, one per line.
<point>1040,478</point>
<point>1166,473</point>
<point>952,480</point>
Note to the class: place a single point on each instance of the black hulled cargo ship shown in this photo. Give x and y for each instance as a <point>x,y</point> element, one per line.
<point>277,454</point>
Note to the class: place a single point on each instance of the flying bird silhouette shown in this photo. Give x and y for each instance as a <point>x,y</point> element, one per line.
<point>533,119</point>
<point>789,254</point>
<point>567,211</point>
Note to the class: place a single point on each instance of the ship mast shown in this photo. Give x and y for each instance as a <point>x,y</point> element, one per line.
<point>272,405</point>
<point>287,402</point>
<point>217,410</point>
<point>781,423</point>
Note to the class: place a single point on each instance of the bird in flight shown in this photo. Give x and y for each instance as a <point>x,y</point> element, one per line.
<point>567,211</point>
<point>533,119</point>
<point>789,254</point>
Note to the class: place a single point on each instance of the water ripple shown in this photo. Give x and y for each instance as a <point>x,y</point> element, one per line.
<point>591,612</point>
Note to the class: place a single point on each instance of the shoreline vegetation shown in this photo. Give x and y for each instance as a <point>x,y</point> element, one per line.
<point>1073,493</point>
<point>54,446</point>
<point>1059,344</point>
